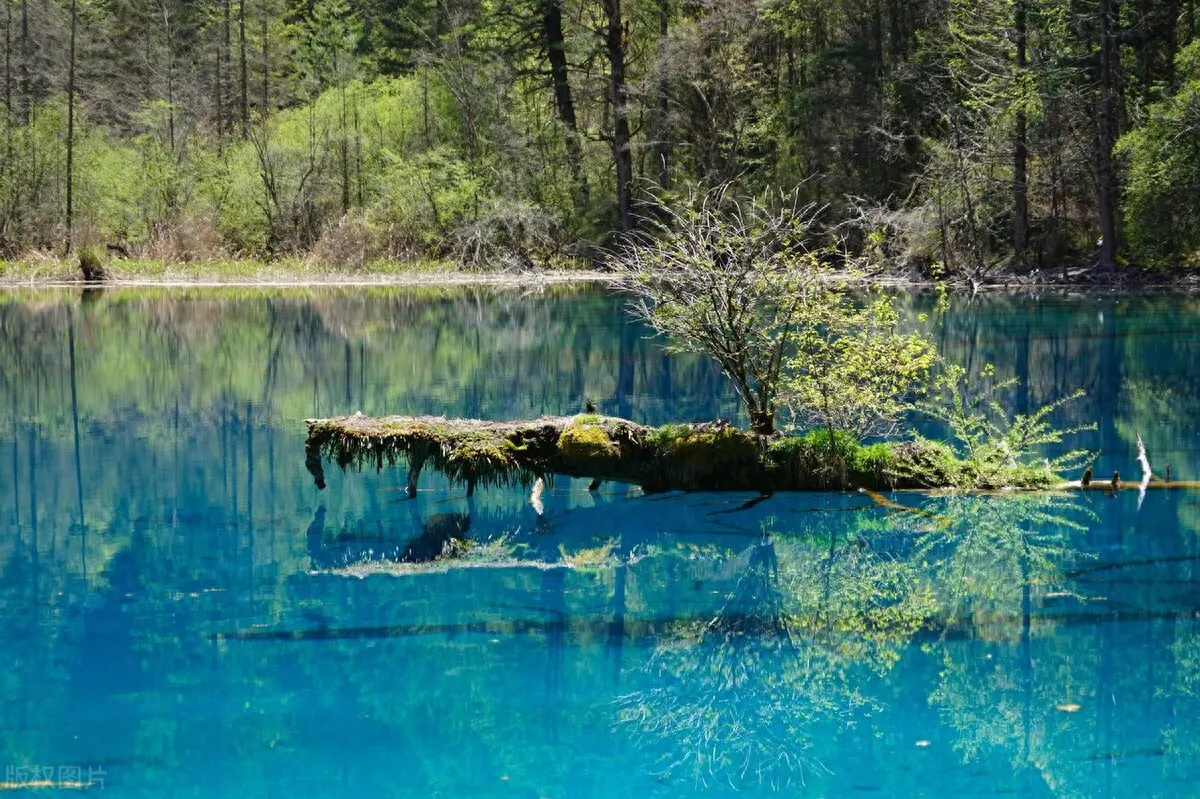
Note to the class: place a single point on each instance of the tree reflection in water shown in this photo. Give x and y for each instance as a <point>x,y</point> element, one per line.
<point>794,655</point>
<point>736,698</point>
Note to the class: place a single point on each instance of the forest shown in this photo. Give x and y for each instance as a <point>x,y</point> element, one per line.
<point>933,137</point>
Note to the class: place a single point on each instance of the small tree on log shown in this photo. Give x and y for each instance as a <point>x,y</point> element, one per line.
<point>732,279</point>
<point>853,369</point>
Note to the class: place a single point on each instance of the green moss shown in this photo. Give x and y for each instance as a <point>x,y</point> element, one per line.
<point>675,457</point>
<point>585,441</point>
<point>465,452</point>
<point>91,264</point>
<point>703,457</point>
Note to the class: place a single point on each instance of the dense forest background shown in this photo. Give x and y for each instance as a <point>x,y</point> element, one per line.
<point>951,136</point>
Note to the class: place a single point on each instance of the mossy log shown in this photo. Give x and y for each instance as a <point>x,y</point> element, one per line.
<point>711,456</point>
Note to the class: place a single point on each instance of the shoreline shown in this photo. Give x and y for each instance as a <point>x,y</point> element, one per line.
<point>332,281</point>
<point>251,274</point>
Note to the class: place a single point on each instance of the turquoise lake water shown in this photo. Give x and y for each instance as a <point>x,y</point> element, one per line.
<point>184,614</point>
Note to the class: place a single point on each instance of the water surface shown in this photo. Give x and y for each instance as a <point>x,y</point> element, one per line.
<point>185,614</point>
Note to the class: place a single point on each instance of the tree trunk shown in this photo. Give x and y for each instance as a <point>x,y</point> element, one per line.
<point>218,98</point>
<point>1020,143</point>
<point>762,422</point>
<point>564,102</point>
<point>245,73</point>
<point>169,49</point>
<point>8,106</point>
<point>345,155</point>
<point>1146,47</point>
<point>71,130</point>
<point>1172,43</point>
<point>358,159</point>
<point>1107,133</point>
<point>227,40</point>
<point>622,154</point>
<point>25,106</point>
<point>425,105</point>
<point>877,37</point>
<point>896,37</point>
<point>664,120</point>
<point>266,69</point>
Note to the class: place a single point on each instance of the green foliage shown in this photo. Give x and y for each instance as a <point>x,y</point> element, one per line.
<point>820,458</point>
<point>996,449</point>
<point>326,52</point>
<point>851,370</point>
<point>904,134</point>
<point>735,280</point>
<point>1162,159</point>
<point>927,463</point>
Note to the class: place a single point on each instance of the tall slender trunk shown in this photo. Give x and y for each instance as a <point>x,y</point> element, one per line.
<point>218,100</point>
<point>245,73</point>
<point>1172,44</point>
<point>266,57</point>
<point>564,102</point>
<point>170,39</point>
<point>8,102</point>
<point>71,130</point>
<point>1147,42</point>
<point>622,154</point>
<point>148,72</point>
<point>1107,133</point>
<point>425,106</point>
<point>345,153</point>
<point>664,108</point>
<point>358,160</point>
<point>896,36</point>
<point>8,107</point>
<point>1020,143</point>
<point>227,42</point>
<point>877,37</point>
<point>25,105</point>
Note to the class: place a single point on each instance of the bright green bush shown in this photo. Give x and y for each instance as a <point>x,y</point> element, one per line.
<point>1162,187</point>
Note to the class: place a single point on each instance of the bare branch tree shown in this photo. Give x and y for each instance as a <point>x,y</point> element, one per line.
<point>728,278</point>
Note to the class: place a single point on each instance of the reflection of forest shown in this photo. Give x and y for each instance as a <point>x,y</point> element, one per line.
<point>152,494</point>
<point>999,617</point>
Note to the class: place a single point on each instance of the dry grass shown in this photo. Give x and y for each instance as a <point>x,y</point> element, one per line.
<point>48,269</point>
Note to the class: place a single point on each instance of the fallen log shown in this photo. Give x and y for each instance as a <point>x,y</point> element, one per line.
<point>711,456</point>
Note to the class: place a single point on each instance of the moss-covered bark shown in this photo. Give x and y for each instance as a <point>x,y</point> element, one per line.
<point>711,456</point>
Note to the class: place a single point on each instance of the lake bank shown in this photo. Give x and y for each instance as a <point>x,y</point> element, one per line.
<point>292,272</point>
<point>301,272</point>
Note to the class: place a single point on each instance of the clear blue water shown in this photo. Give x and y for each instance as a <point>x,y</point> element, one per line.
<point>178,619</point>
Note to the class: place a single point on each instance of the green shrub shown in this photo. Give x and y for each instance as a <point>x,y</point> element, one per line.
<point>994,448</point>
<point>1162,159</point>
<point>818,460</point>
